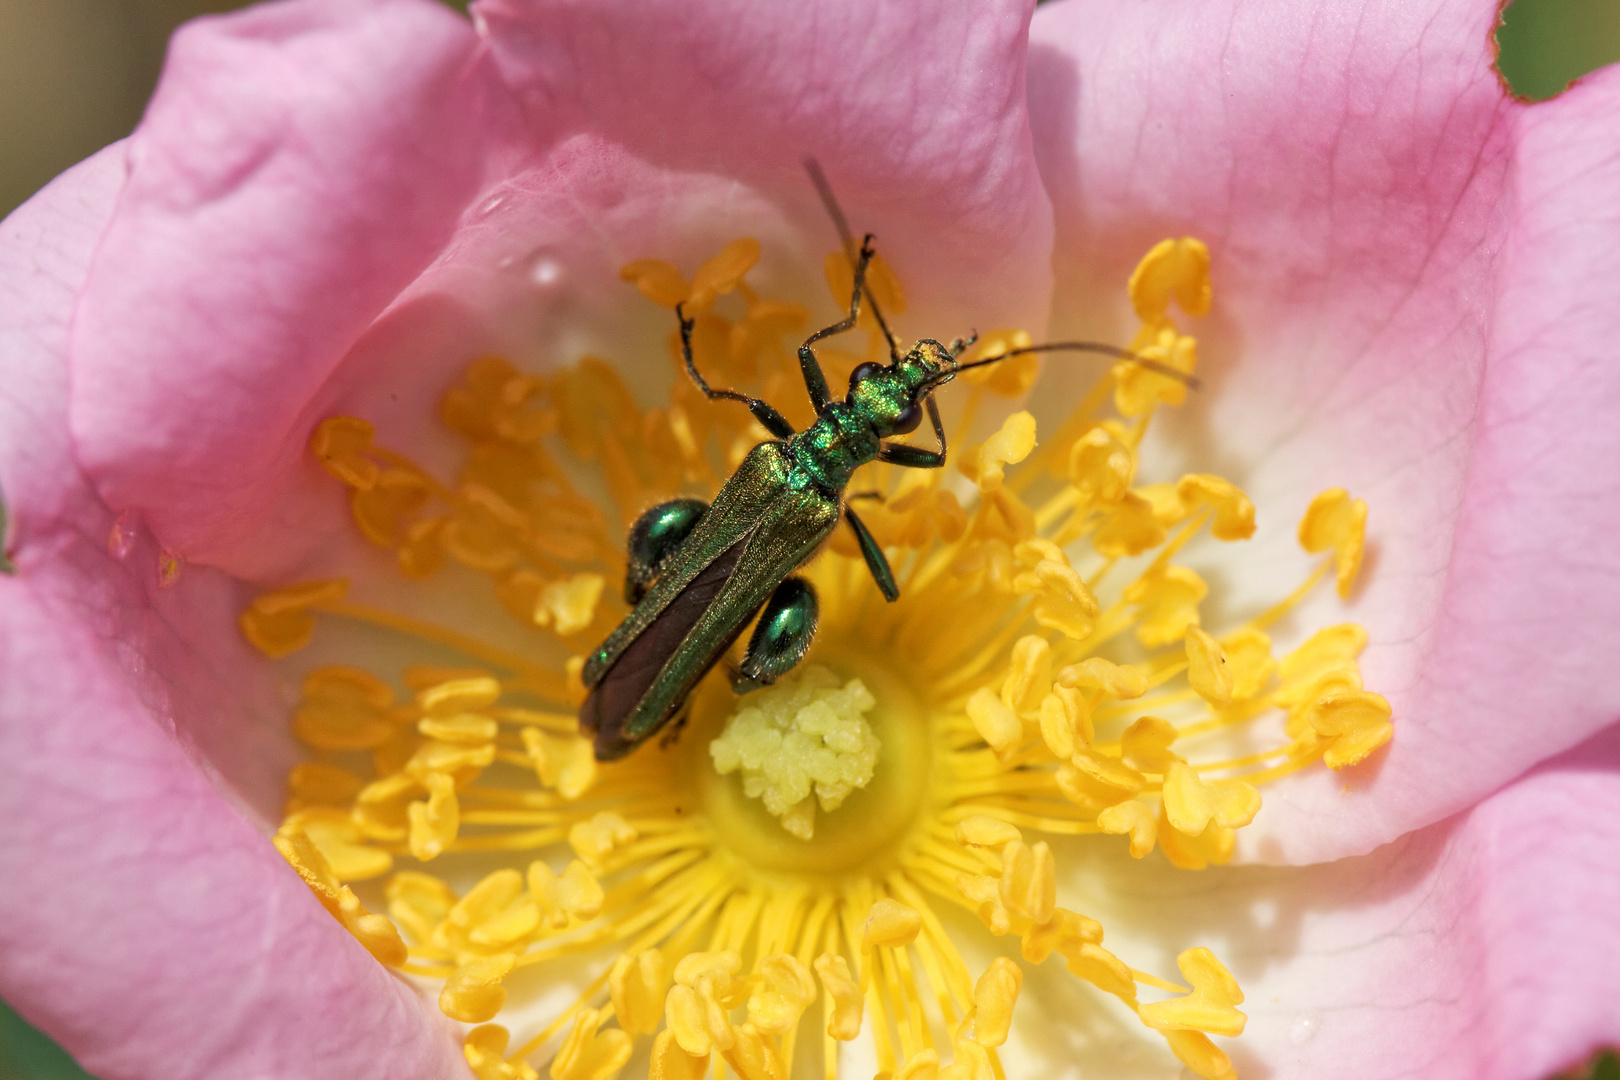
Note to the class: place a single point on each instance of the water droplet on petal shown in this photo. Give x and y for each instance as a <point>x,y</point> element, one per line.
<point>490,205</point>
<point>121,537</point>
<point>546,271</point>
<point>1305,1027</point>
<point>169,567</point>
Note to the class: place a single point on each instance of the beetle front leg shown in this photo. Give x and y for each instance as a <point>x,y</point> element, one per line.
<point>815,382</point>
<point>915,457</point>
<point>781,637</point>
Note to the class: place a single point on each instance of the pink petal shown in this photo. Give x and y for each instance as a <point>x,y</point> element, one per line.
<point>299,164</point>
<point>1480,948</point>
<point>144,923</point>
<point>1385,229</point>
<point>139,909</point>
<point>916,111</point>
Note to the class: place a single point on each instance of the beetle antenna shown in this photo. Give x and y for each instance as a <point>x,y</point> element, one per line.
<point>841,223</point>
<point>1097,347</point>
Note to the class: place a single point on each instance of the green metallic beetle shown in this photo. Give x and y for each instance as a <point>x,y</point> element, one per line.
<point>698,574</point>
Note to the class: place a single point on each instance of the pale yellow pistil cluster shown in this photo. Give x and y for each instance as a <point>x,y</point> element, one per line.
<point>1047,673</point>
<point>800,743</point>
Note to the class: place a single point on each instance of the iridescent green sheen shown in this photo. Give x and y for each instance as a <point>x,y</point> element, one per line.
<point>698,577</point>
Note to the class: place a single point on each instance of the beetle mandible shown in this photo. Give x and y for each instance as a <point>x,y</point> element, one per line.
<point>698,574</point>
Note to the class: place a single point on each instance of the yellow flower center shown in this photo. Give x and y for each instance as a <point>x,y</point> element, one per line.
<point>771,877</point>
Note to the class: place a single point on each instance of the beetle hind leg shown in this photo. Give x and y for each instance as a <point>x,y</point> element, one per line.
<point>653,538</point>
<point>781,637</point>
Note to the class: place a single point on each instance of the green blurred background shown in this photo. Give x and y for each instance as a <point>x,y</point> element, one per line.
<point>75,75</point>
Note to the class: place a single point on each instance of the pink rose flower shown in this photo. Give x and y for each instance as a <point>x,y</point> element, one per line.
<point>330,206</point>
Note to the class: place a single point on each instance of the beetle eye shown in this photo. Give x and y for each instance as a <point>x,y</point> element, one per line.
<point>907,421</point>
<point>862,372</point>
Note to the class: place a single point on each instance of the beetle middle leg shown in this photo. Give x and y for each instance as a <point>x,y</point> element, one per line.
<point>782,635</point>
<point>872,552</point>
<point>773,421</point>
<point>653,538</point>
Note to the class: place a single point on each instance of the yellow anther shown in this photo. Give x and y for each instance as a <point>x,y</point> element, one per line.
<point>1165,502</point>
<point>923,1065</point>
<point>1248,660</point>
<point>595,840</point>
<point>1207,668</point>
<point>496,910</point>
<point>982,830</point>
<point>752,1056</point>
<point>1212,1005</point>
<point>575,894</point>
<point>984,893</point>
<point>418,902</point>
<point>1134,819</point>
<point>671,1062</point>
<point>1011,377</point>
<point>788,989</point>
<point>344,708</point>
<point>1063,934</point>
<point>473,993</point>
<point>637,986</point>
<point>685,1016</point>
<point>1066,603</point>
<point>1234,513</point>
<point>454,696</point>
<point>891,924</point>
<point>1121,681</point>
<point>1146,744</point>
<point>995,722</point>
<point>280,623</point>
<point>1200,1055</point>
<point>1335,520</point>
<point>569,606</point>
<point>696,967</point>
<point>1139,388</point>
<point>987,463</point>
<point>487,899</point>
<point>460,761</point>
<point>1212,847</point>
<point>1192,803</point>
<point>994,996</point>
<point>721,273</point>
<point>485,1050</point>
<point>339,444</point>
<point>658,281</point>
<point>374,932</point>
<point>387,509</point>
<point>380,810</point>
<point>1030,675</point>
<point>469,728</point>
<point>434,822</point>
<point>319,784</point>
<point>341,843</point>
<point>566,764</point>
<point>1101,466</point>
<point>1328,653</point>
<point>590,1054</point>
<point>1103,778</point>
<point>1173,268</point>
<point>1102,969</point>
<point>1168,600</point>
<point>1130,527</point>
<point>1065,719</point>
<point>970,1061</point>
<point>844,1023</point>
<point>1356,722</point>
<point>1029,880</point>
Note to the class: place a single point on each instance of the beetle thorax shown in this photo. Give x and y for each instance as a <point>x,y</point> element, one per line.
<point>839,442</point>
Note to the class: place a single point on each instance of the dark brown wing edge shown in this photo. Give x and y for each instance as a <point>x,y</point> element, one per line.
<point>622,686</point>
